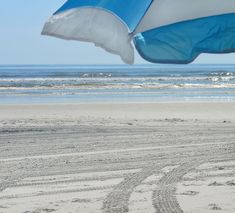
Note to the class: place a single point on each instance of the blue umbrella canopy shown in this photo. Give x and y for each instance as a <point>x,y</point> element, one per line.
<point>162,31</point>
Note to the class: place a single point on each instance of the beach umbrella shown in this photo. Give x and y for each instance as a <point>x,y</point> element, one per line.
<point>162,31</point>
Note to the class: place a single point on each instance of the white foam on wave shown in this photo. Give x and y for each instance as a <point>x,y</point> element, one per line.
<point>92,86</point>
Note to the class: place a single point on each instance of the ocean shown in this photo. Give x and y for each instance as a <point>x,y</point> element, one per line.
<point>117,83</point>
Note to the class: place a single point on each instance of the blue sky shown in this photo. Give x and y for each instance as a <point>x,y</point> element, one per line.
<point>21,23</point>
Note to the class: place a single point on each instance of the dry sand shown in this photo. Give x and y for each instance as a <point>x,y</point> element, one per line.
<point>117,158</point>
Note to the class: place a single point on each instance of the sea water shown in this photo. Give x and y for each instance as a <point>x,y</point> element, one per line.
<point>116,83</point>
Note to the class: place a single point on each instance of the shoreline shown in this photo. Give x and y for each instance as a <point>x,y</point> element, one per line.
<point>161,110</point>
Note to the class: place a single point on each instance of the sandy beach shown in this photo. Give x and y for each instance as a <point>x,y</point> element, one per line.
<point>118,158</point>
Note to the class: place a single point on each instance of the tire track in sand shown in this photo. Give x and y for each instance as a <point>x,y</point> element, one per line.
<point>118,200</point>
<point>164,199</point>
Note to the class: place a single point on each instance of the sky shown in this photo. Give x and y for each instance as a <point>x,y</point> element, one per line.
<point>21,42</point>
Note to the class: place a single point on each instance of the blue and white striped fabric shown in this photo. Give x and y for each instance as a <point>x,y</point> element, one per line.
<point>163,31</point>
<point>128,11</point>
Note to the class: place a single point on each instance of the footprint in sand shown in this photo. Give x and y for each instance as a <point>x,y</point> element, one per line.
<point>191,193</point>
<point>231,183</point>
<point>214,206</point>
<point>215,184</point>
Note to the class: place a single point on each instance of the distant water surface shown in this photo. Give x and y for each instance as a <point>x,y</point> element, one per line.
<point>139,83</point>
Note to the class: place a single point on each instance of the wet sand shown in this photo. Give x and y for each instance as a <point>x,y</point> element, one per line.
<point>117,158</point>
